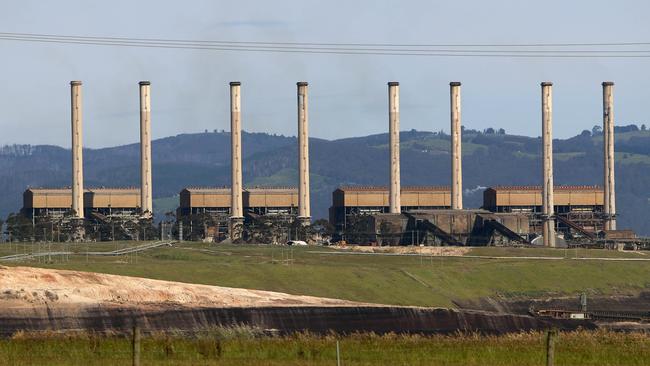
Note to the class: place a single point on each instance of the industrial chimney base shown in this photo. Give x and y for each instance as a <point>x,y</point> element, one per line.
<point>236,229</point>
<point>304,221</point>
<point>77,230</point>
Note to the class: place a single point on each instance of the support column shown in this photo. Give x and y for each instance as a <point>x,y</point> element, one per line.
<point>146,200</point>
<point>608,146</point>
<point>547,157</point>
<point>456,151</point>
<point>77,152</point>
<point>393,131</point>
<point>304,210</point>
<point>236,202</point>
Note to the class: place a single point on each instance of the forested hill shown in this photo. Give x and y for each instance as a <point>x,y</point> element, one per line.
<point>491,157</point>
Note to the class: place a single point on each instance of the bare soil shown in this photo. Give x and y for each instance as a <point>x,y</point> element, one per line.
<point>27,287</point>
<point>435,251</point>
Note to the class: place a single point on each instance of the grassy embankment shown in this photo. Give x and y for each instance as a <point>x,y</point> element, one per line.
<point>401,280</point>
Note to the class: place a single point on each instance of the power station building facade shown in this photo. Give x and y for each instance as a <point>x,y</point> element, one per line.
<point>349,202</point>
<point>100,203</point>
<point>383,215</point>
<point>205,212</point>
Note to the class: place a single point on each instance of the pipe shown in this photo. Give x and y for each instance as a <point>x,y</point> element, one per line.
<point>393,131</point>
<point>547,157</point>
<point>456,151</point>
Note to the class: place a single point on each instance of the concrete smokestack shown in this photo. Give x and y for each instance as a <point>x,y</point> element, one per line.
<point>547,145</point>
<point>304,211</point>
<point>236,202</point>
<point>146,201</point>
<point>608,144</point>
<point>393,131</point>
<point>77,151</point>
<point>456,151</point>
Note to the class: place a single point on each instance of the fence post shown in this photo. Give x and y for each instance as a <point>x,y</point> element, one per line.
<point>550,347</point>
<point>338,354</point>
<point>136,343</point>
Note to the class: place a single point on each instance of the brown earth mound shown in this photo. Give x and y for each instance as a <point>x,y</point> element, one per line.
<point>35,299</point>
<point>26,287</point>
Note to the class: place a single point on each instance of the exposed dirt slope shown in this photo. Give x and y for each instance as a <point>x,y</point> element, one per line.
<point>25,287</point>
<point>34,299</point>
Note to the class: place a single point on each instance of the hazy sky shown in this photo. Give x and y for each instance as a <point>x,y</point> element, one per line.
<point>348,92</point>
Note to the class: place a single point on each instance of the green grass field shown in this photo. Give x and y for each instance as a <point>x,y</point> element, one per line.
<point>400,280</point>
<point>247,348</point>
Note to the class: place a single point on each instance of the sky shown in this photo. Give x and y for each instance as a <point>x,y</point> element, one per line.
<point>348,93</point>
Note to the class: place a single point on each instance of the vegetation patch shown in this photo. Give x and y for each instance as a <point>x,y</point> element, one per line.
<point>369,277</point>
<point>252,347</point>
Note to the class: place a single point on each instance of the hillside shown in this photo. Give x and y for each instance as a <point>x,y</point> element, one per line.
<point>427,279</point>
<point>202,159</point>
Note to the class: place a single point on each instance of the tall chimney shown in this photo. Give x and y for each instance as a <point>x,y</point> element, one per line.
<point>236,204</point>
<point>547,145</point>
<point>456,151</point>
<point>146,201</point>
<point>608,145</point>
<point>304,211</point>
<point>77,152</point>
<point>393,131</point>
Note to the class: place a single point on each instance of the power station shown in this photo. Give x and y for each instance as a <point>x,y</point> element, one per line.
<point>546,215</point>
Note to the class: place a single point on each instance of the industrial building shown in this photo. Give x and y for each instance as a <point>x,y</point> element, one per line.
<point>205,212</point>
<point>56,203</point>
<point>47,202</point>
<point>349,202</point>
<point>98,213</point>
<point>578,209</point>
<point>509,214</point>
<point>383,215</point>
<point>362,215</point>
<point>115,212</point>
<point>107,203</point>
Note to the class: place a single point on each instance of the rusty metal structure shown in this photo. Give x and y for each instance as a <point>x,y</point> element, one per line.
<point>56,202</point>
<point>578,209</point>
<point>206,211</point>
<point>361,215</point>
<point>47,202</point>
<point>352,201</point>
<point>112,202</point>
<point>113,210</point>
<point>506,210</point>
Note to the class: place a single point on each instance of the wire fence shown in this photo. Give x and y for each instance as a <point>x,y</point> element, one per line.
<point>243,346</point>
<point>64,231</point>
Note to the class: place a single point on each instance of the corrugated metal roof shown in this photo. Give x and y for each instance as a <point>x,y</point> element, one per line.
<point>117,191</point>
<point>66,190</point>
<point>539,188</point>
<point>272,190</point>
<point>385,188</point>
<point>226,190</point>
